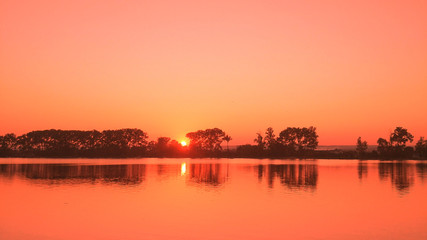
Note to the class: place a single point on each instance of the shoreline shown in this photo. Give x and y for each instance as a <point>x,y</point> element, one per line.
<point>214,158</point>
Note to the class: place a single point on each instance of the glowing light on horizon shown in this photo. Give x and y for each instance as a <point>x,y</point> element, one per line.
<point>183,169</point>
<point>183,143</point>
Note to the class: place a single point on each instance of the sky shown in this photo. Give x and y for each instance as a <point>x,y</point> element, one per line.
<point>349,68</point>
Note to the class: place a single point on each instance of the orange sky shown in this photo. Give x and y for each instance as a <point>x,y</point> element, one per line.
<point>349,68</point>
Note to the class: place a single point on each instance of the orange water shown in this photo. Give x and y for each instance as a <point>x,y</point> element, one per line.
<point>212,199</point>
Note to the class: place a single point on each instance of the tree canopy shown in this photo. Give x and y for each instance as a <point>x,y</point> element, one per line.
<point>361,147</point>
<point>208,140</point>
<point>299,139</point>
<point>396,147</point>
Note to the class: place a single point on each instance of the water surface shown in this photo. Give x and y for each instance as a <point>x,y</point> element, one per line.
<point>212,199</point>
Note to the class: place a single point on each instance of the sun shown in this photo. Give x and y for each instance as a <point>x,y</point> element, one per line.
<point>183,143</point>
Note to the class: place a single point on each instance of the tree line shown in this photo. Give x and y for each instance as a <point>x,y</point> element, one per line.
<point>395,147</point>
<point>66,143</point>
<point>291,142</point>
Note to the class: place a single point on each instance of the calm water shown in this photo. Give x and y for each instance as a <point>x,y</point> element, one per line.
<point>212,199</point>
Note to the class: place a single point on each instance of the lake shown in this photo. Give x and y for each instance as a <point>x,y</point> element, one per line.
<point>212,199</point>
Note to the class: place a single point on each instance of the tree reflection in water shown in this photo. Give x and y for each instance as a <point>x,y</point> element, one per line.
<point>210,174</point>
<point>362,169</point>
<point>297,176</point>
<point>63,174</point>
<point>400,173</point>
<point>293,176</point>
<point>421,170</point>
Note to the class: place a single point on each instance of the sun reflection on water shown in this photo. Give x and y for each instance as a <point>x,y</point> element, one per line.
<point>183,169</point>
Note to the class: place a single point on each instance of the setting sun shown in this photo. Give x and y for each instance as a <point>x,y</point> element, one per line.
<point>183,143</point>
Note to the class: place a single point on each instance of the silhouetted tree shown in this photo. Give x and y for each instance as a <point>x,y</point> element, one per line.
<point>123,142</point>
<point>163,141</point>
<point>383,147</point>
<point>60,143</point>
<point>421,148</point>
<point>299,139</point>
<point>162,146</point>
<point>227,138</point>
<point>151,147</point>
<point>361,147</point>
<point>208,140</point>
<point>260,141</point>
<point>291,142</point>
<point>7,144</point>
<point>176,149</point>
<point>248,150</point>
<point>400,137</point>
<point>270,139</point>
<point>396,147</point>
